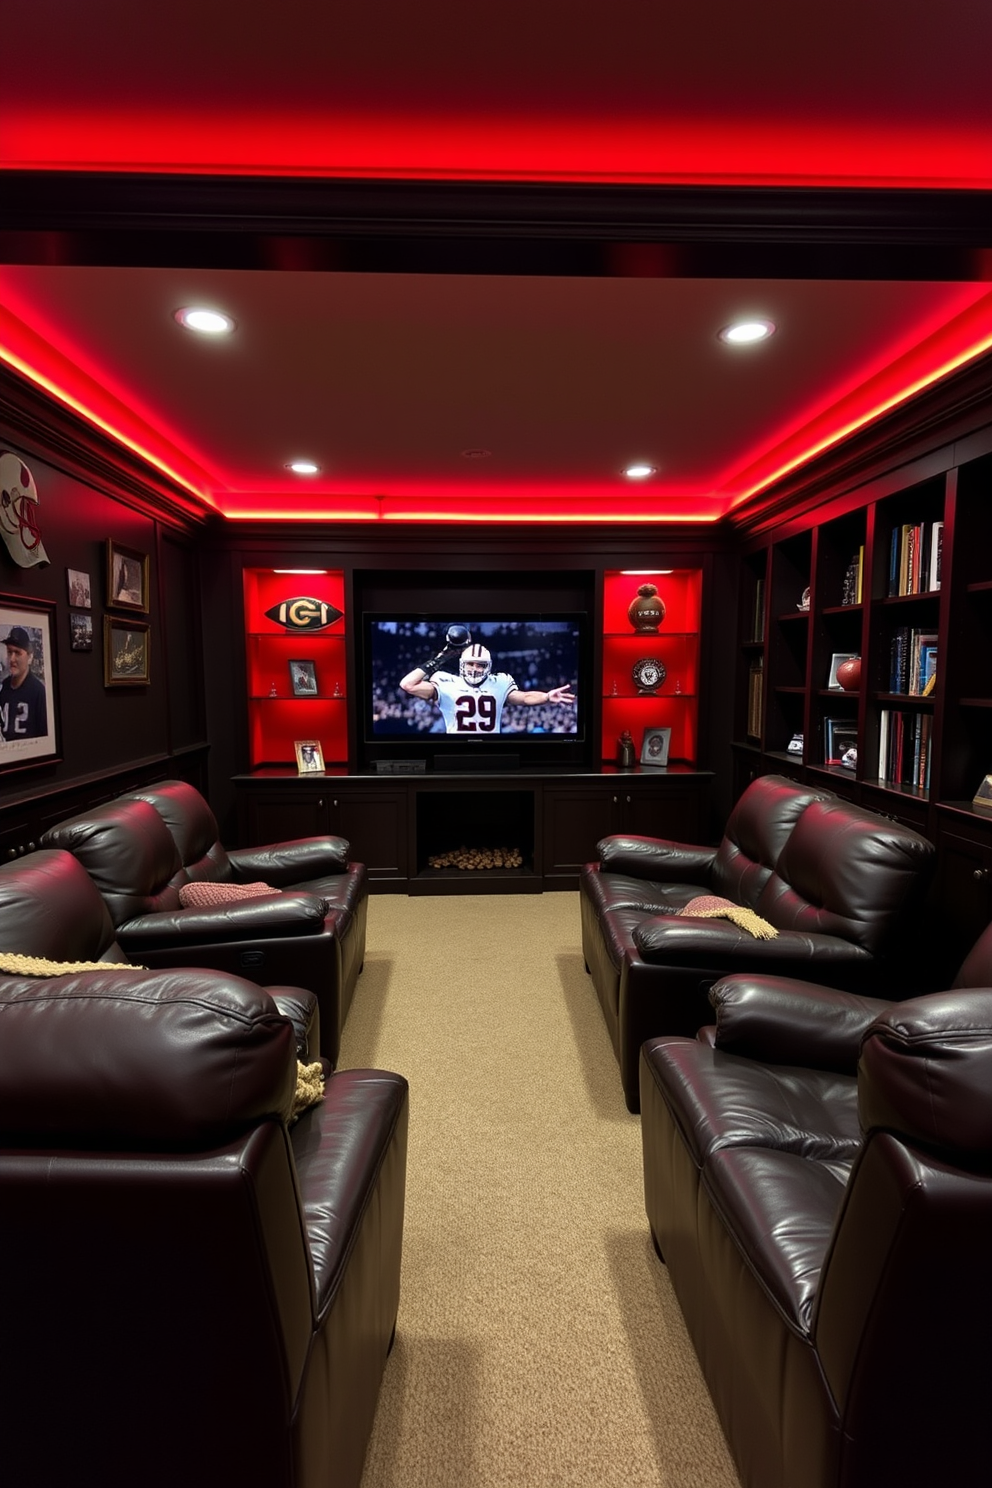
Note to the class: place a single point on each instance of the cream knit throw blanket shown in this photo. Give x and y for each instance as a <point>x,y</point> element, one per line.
<point>712,907</point>
<point>18,965</point>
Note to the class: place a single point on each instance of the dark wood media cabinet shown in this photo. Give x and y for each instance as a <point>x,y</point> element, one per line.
<point>396,823</point>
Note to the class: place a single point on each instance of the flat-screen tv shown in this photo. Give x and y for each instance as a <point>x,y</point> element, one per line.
<point>475,680</point>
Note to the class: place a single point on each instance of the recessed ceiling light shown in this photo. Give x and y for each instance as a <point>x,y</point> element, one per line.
<point>303,467</point>
<point>640,471</point>
<point>207,322</point>
<point>746,332</point>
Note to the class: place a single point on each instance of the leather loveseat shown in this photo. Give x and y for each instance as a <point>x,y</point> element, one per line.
<point>837,884</point>
<point>142,849</point>
<point>195,1289</point>
<point>818,1179</point>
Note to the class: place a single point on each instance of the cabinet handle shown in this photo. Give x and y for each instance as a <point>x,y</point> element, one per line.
<point>980,875</point>
<point>615,800</point>
<point>320,803</point>
<point>628,800</point>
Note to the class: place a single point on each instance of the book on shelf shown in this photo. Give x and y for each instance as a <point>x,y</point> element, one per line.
<point>912,660</point>
<point>758,619</point>
<point>755,693</point>
<point>904,751</point>
<point>851,590</point>
<point>915,550</point>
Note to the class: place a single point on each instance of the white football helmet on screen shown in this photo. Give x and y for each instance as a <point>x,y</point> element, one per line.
<point>475,665</point>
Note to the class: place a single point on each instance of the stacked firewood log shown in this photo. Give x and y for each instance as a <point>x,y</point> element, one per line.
<point>478,857</point>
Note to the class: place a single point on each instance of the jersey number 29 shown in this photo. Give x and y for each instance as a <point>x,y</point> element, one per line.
<point>475,713</point>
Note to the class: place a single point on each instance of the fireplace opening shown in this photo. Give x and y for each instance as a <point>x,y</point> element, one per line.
<point>475,832</point>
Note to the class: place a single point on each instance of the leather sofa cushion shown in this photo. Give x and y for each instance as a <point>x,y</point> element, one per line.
<point>757,831</point>
<point>721,1100</point>
<point>780,1211</point>
<point>139,1059</point>
<point>128,851</point>
<point>49,906</point>
<point>607,892</point>
<point>847,872</point>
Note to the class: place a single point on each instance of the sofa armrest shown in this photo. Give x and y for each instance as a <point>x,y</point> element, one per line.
<point>657,858</point>
<point>683,940</point>
<point>280,863</point>
<point>263,916</point>
<point>780,1020</point>
<point>302,1010</point>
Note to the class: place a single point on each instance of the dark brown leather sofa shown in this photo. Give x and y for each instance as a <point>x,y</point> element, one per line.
<point>818,1178</point>
<point>837,882</point>
<point>197,1289</point>
<point>142,848</point>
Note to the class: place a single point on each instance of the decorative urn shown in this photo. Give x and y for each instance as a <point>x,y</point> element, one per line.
<point>646,610</point>
<point>849,674</point>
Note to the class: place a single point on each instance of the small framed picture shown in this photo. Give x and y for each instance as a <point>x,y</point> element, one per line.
<point>303,678</point>
<point>840,742</point>
<point>309,757</point>
<point>127,578</point>
<point>126,645</point>
<point>837,660</point>
<point>28,696</point>
<point>655,745</point>
<point>78,584</point>
<point>80,631</point>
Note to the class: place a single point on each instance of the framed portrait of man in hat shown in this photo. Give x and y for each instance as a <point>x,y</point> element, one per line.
<point>28,695</point>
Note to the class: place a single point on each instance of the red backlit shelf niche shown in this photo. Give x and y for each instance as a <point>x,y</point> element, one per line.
<point>276,717</point>
<point>674,704</point>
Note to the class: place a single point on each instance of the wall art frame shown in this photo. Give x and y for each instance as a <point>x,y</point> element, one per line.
<point>126,648</point>
<point>29,721</point>
<point>127,578</point>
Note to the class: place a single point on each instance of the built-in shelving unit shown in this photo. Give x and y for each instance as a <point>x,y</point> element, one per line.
<point>898,573</point>
<point>296,676</point>
<point>674,648</point>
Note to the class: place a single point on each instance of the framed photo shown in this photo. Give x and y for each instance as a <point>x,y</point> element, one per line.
<point>303,677</point>
<point>80,631</point>
<point>28,694</point>
<point>654,746</point>
<point>836,660</point>
<point>127,578</point>
<point>840,742</point>
<point>78,585</point>
<point>309,757</point>
<point>125,652</point>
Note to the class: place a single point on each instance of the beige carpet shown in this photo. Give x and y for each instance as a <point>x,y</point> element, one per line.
<point>539,1342</point>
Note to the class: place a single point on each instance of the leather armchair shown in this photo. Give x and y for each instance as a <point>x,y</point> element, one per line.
<point>836,882</point>
<point>818,1179</point>
<point>197,1289</point>
<point>308,933</point>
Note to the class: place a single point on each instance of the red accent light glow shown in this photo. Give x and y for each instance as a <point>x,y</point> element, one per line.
<point>468,147</point>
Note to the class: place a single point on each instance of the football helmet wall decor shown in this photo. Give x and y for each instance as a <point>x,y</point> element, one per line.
<point>19,512</point>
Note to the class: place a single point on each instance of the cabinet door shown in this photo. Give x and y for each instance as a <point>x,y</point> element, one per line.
<point>660,813</point>
<point>964,893</point>
<point>375,824</point>
<point>284,813</point>
<point>574,821</point>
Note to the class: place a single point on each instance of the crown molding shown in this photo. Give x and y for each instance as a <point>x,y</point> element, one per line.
<point>36,425</point>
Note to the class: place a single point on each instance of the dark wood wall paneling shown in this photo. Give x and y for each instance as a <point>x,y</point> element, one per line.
<point>109,738</point>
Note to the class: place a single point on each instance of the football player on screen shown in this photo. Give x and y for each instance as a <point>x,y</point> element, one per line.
<point>461,681</point>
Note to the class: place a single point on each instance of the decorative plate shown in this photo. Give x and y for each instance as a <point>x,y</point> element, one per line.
<point>649,673</point>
